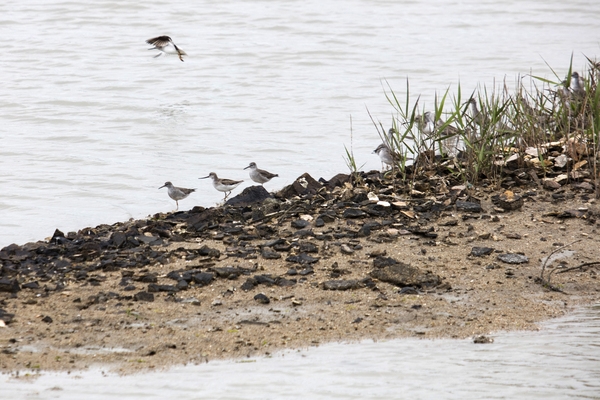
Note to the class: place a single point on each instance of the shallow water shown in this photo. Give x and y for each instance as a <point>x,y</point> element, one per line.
<point>561,361</point>
<point>92,125</point>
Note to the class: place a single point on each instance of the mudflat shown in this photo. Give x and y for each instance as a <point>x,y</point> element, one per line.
<point>317,263</point>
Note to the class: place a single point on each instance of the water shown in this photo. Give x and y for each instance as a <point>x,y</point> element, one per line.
<point>562,361</point>
<point>92,125</point>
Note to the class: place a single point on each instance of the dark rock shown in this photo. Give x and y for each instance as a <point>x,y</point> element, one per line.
<point>319,222</point>
<point>261,298</point>
<point>381,262</point>
<point>274,242</point>
<point>31,285</point>
<point>427,232</point>
<point>364,231</point>
<point>468,206</point>
<point>175,275</point>
<point>58,237</point>
<point>408,290</point>
<point>203,278</point>
<point>265,280</point>
<point>306,271</point>
<point>81,275</point>
<point>513,258</point>
<point>269,255</point>
<point>508,200</point>
<point>153,288</point>
<point>302,258</point>
<point>144,296</point>
<point>481,339</point>
<point>182,285</point>
<point>327,217</point>
<point>302,186</point>
<point>285,246</point>
<point>227,272</point>
<point>513,235</point>
<point>303,233</point>
<point>300,224</point>
<point>285,282</point>
<point>47,319</point>
<point>6,317</point>
<point>337,180</point>
<point>205,219</point>
<point>249,284</point>
<point>359,196</point>
<point>550,184</point>
<point>249,196</point>
<point>147,278</point>
<point>401,274</point>
<point>343,284</point>
<point>206,251</point>
<point>452,222</point>
<point>9,285</point>
<point>353,213</point>
<point>586,186</point>
<point>308,247</point>
<point>481,251</point>
<point>572,214</point>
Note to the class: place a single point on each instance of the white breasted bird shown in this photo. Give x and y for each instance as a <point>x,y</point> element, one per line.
<point>177,193</point>
<point>222,184</point>
<point>165,45</point>
<point>259,175</point>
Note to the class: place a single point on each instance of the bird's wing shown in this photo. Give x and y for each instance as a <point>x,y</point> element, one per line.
<point>159,41</point>
<point>230,182</point>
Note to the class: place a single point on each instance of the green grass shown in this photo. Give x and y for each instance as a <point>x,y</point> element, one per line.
<point>509,124</point>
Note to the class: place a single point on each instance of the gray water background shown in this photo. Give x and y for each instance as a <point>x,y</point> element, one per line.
<point>92,124</point>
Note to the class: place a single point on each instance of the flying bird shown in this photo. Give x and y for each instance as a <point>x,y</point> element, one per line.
<point>165,45</point>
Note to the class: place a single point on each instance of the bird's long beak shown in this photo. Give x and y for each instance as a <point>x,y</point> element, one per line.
<point>204,177</point>
<point>247,167</point>
<point>162,186</point>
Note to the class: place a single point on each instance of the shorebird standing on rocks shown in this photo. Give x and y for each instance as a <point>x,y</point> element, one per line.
<point>259,175</point>
<point>426,124</point>
<point>165,45</point>
<point>222,184</point>
<point>177,193</point>
<point>577,84</point>
<point>477,116</point>
<point>386,155</point>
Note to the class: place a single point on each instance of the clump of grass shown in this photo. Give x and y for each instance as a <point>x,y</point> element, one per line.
<point>476,137</point>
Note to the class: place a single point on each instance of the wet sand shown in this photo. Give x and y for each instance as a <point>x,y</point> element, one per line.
<point>99,319</point>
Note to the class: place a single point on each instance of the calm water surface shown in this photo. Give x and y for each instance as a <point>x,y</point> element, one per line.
<point>92,125</point>
<point>562,361</point>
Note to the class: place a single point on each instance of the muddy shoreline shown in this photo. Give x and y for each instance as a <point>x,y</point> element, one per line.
<point>316,262</point>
